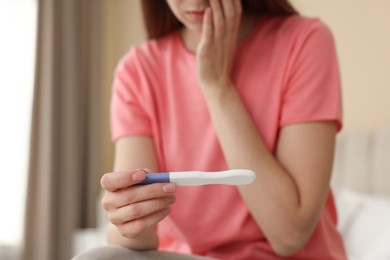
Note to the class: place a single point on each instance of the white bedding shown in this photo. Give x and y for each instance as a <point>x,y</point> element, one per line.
<point>364,224</point>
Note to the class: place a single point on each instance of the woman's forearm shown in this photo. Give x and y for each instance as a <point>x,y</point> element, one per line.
<point>273,199</point>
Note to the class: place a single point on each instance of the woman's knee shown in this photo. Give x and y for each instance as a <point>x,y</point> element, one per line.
<point>122,253</point>
<point>106,253</point>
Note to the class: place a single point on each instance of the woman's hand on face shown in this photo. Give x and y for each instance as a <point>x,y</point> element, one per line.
<point>215,52</point>
<point>133,209</point>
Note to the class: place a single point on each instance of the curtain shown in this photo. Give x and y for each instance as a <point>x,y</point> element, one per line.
<point>66,145</point>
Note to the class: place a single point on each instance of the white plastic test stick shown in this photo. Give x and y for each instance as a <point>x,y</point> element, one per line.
<point>197,178</point>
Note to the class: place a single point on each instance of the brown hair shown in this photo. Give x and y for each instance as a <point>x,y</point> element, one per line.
<point>159,19</point>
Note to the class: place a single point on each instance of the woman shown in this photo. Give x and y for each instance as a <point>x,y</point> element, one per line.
<point>225,84</point>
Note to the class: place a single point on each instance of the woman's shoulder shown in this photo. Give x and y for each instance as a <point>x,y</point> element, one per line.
<point>296,25</point>
<point>148,57</point>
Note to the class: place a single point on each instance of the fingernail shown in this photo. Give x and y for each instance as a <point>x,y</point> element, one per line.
<point>138,176</point>
<point>170,187</point>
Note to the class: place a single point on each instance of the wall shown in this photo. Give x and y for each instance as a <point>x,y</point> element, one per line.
<point>123,28</point>
<point>362,33</point>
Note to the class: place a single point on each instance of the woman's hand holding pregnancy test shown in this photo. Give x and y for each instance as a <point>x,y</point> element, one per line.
<point>133,208</point>
<point>197,178</point>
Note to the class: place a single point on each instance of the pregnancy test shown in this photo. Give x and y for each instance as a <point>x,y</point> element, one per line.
<point>197,178</point>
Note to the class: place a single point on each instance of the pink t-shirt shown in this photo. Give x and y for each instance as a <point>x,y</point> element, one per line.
<point>286,72</point>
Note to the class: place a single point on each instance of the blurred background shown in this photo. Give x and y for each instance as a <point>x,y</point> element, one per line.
<point>57,59</point>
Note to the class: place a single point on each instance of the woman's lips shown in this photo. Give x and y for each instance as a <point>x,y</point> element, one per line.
<point>196,15</point>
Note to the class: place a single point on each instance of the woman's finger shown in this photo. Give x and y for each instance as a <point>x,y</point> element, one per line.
<point>218,19</point>
<point>207,30</point>
<point>139,210</point>
<point>118,180</point>
<point>238,7</point>
<point>231,9</point>
<point>135,194</point>
<point>136,227</point>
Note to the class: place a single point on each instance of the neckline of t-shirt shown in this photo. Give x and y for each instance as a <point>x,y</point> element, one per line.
<point>240,45</point>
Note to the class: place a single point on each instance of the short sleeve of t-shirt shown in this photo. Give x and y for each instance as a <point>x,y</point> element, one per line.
<point>313,90</point>
<point>128,114</point>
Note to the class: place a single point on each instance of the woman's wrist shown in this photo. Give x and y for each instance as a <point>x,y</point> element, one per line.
<point>217,91</point>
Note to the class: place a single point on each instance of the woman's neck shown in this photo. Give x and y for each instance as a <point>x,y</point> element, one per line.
<point>192,38</point>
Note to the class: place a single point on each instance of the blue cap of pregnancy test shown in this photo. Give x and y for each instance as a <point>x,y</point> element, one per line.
<point>162,177</point>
